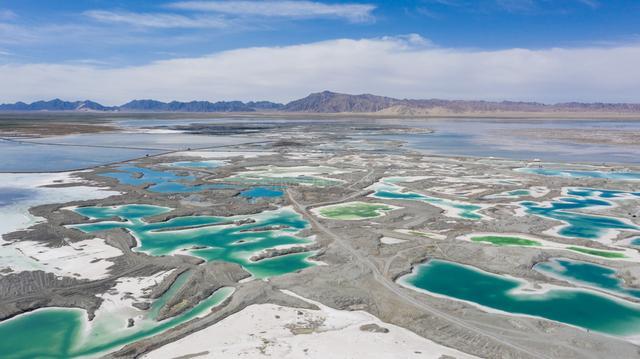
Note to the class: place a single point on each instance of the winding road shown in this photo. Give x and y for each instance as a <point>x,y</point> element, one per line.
<point>394,288</point>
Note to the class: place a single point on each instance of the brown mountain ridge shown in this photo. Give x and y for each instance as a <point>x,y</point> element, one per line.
<point>328,102</point>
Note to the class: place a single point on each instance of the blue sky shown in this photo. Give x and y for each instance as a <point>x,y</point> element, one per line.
<point>98,39</point>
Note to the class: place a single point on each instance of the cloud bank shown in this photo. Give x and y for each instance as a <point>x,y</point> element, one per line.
<point>405,66</point>
<point>282,8</point>
<point>157,20</point>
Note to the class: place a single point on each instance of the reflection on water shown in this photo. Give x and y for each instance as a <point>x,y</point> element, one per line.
<point>12,195</point>
<point>466,137</point>
<point>26,157</point>
<point>386,189</point>
<point>72,152</point>
<point>491,137</point>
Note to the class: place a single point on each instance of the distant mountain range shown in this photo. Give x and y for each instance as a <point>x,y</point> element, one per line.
<point>331,102</point>
<point>144,106</point>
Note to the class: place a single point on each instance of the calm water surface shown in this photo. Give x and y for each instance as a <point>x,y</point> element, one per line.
<point>491,138</point>
<point>581,308</point>
<point>586,273</point>
<point>72,152</point>
<point>208,237</point>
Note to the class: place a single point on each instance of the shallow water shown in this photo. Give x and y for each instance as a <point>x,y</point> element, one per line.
<point>578,224</point>
<point>198,164</point>
<point>257,179</point>
<point>491,138</point>
<point>161,181</point>
<point>210,238</point>
<point>505,240</point>
<point>263,192</point>
<point>472,137</point>
<point>20,157</point>
<point>12,195</point>
<point>387,190</point>
<point>168,181</point>
<point>581,308</point>
<point>136,176</point>
<point>623,176</point>
<point>72,152</point>
<point>518,193</point>
<point>64,333</point>
<point>467,137</point>
<point>354,210</point>
<point>586,273</point>
<point>145,141</point>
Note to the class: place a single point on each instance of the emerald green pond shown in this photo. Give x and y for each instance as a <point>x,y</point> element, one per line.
<point>595,252</point>
<point>64,333</point>
<point>208,237</point>
<point>581,308</point>
<point>354,210</point>
<point>505,240</point>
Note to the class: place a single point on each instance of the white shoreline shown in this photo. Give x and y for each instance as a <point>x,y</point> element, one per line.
<point>268,330</point>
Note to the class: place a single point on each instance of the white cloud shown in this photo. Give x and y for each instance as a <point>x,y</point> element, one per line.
<point>392,66</point>
<point>157,20</point>
<point>6,14</point>
<point>284,8</point>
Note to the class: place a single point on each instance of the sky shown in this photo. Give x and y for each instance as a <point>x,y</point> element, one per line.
<point>113,51</point>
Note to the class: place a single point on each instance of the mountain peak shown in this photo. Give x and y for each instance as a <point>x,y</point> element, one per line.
<point>328,101</point>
